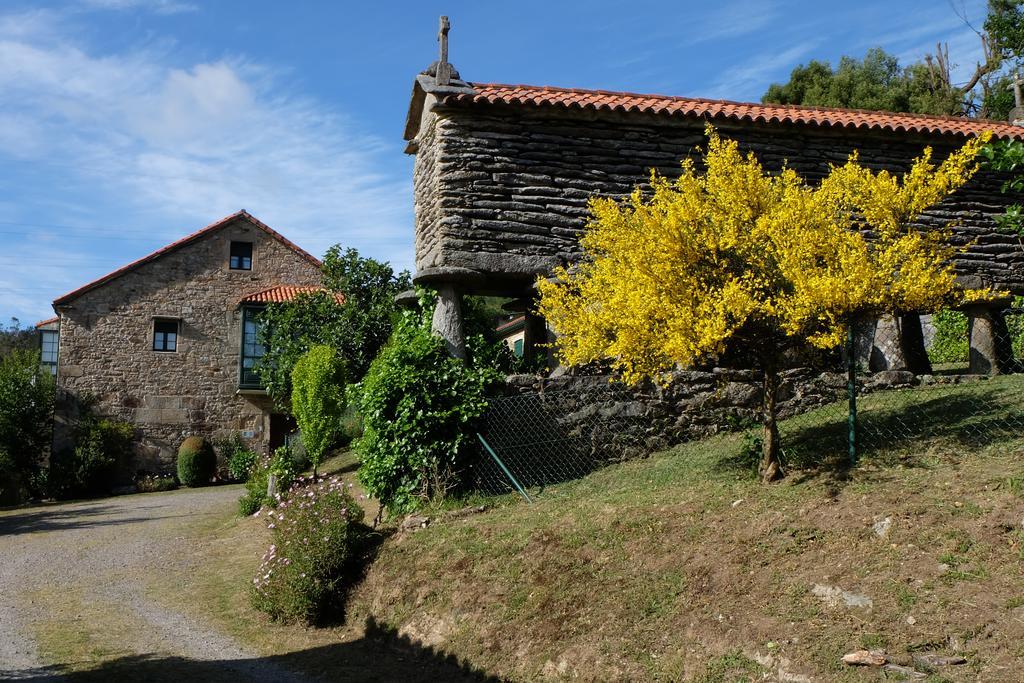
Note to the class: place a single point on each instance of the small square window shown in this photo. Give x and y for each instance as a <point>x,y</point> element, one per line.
<point>165,335</point>
<point>241,256</point>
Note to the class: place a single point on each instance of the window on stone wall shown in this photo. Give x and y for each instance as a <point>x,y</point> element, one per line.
<point>48,343</point>
<point>241,256</point>
<point>165,335</point>
<point>252,349</point>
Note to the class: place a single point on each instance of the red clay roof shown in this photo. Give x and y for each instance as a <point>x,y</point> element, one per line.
<point>573,98</point>
<point>48,321</point>
<point>181,243</point>
<point>510,323</point>
<point>280,294</point>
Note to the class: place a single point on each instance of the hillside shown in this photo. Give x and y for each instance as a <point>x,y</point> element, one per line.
<point>681,566</point>
<point>677,567</point>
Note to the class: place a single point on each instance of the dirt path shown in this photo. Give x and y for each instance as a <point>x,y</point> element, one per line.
<point>73,579</point>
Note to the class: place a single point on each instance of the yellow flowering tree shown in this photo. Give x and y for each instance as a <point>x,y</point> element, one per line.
<point>732,256</point>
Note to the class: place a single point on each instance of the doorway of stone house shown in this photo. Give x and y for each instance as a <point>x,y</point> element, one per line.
<point>282,429</point>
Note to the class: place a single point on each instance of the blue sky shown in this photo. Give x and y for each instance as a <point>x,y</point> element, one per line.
<point>126,124</point>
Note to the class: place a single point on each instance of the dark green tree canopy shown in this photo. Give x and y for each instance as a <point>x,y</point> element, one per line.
<point>357,329</point>
<point>878,82</point>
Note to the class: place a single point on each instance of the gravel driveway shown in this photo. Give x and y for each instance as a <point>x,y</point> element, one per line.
<point>100,552</point>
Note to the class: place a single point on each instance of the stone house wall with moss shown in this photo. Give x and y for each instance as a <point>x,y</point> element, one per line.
<point>110,333</point>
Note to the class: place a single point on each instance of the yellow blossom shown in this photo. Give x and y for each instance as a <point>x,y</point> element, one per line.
<point>675,274</point>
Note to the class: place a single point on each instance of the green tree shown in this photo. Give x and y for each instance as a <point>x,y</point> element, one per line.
<point>26,423</point>
<point>369,312</point>
<point>318,399</point>
<point>14,336</point>
<point>419,407</point>
<point>1004,26</point>
<point>735,258</point>
<point>877,82</point>
<point>357,328</point>
<point>290,329</point>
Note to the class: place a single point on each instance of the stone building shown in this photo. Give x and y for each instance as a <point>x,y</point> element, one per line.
<point>503,174</point>
<point>168,342</point>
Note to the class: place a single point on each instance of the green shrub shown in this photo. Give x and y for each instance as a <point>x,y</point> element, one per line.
<point>318,399</point>
<point>419,408</point>
<point>950,343</point>
<point>26,424</point>
<point>1015,324</point>
<point>351,420</point>
<point>102,447</point>
<point>197,462</point>
<point>316,532</point>
<point>239,457</point>
<point>282,464</point>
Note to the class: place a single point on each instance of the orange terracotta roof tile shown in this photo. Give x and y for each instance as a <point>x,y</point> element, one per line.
<point>603,100</point>
<point>48,321</point>
<point>280,294</point>
<point>182,242</point>
<point>508,324</point>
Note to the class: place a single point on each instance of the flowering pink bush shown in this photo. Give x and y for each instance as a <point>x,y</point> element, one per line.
<point>316,528</point>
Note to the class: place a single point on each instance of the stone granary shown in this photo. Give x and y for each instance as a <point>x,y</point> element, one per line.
<point>503,174</point>
<point>168,342</point>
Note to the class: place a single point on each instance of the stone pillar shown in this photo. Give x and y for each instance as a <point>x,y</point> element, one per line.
<point>912,343</point>
<point>898,344</point>
<point>447,321</point>
<point>886,348</point>
<point>991,347</point>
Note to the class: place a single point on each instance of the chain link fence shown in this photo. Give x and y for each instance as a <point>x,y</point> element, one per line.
<point>915,378</point>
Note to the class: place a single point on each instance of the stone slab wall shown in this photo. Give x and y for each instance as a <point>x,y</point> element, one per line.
<point>503,191</point>
<point>622,422</point>
<point>106,340</point>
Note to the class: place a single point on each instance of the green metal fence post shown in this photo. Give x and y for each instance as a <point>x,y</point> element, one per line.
<point>504,469</point>
<point>851,390</point>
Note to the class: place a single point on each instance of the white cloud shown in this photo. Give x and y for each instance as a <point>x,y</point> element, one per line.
<point>158,6</point>
<point>751,78</point>
<point>192,143</point>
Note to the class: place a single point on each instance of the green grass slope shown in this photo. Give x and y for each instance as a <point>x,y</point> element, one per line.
<point>682,567</point>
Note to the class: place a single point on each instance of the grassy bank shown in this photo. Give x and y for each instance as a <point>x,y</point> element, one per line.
<point>681,566</point>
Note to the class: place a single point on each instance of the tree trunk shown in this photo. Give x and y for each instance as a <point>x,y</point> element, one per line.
<point>771,465</point>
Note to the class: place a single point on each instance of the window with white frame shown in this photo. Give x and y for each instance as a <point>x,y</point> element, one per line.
<point>49,342</point>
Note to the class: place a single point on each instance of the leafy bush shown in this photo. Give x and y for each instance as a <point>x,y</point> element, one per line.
<point>950,344</point>
<point>316,530</point>
<point>318,400</point>
<point>26,424</point>
<point>197,462</point>
<point>282,464</point>
<point>239,457</point>
<point>419,406</point>
<point>351,420</point>
<point>1015,324</point>
<point>357,328</point>
<point>102,447</point>
<point>152,483</point>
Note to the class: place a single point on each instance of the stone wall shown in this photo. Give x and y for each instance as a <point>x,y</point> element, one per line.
<point>106,344</point>
<point>501,192</point>
<point>620,422</point>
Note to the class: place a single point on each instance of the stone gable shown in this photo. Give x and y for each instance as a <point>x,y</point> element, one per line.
<point>106,343</point>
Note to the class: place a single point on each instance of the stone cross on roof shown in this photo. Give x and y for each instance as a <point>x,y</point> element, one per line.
<point>444,69</point>
<point>1017,113</point>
